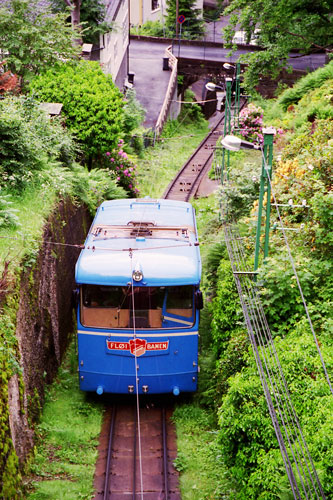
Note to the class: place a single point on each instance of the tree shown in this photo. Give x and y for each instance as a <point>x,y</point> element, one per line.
<point>75,7</point>
<point>34,40</point>
<point>92,105</point>
<point>305,25</point>
<point>193,26</point>
<point>91,15</point>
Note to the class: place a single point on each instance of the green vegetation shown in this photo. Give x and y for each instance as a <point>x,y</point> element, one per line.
<point>159,165</point>
<point>279,28</point>
<point>92,18</point>
<point>91,102</point>
<point>231,384</point>
<point>37,169</point>
<point>10,486</point>
<point>37,165</point>
<point>191,29</point>
<point>193,26</point>
<point>203,475</point>
<point>151,28</point>
<point>67,438</point>
<point>34,39</point>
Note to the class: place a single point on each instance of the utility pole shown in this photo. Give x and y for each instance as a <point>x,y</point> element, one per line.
<point>177,15</point>
<point>265,186</point>
<point>227,126</point>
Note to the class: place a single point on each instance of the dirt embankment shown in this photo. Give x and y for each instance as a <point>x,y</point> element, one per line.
<point>44,318</point>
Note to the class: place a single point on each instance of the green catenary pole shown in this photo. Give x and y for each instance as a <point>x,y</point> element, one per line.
<point>227,126</point>
<point>237,93</point>
<point>264,186</point>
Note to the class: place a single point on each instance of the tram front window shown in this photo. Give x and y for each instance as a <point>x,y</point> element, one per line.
<point>115,307</point>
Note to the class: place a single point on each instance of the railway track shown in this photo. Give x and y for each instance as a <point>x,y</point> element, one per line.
<point>126,471</point>
<point>186,183</point>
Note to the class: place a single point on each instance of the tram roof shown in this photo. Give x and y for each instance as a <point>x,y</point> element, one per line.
<point>158,237</point>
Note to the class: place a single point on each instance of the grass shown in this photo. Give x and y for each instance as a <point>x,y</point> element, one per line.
<point>65,458</point>
<point>32,206</point>
<point>68,432</point>
<point>160,164</point>
<point>202,474</point>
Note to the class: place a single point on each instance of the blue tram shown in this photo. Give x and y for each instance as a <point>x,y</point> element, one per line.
<point>138,303</point>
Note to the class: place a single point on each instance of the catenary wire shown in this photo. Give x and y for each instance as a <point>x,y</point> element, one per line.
<point>289,433</point>
<point>297,278</point>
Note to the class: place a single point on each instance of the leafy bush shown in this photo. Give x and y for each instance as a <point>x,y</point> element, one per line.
<point>227,313</point>
<point>35,38</point>
<point>29,140</point>
<point>280,294</point>
<point>90,187</point>
<point>190,112</point>
<point>239,194</point>
<point>124,169</point>
<point>248,442</point>
<point>8,217</point>
<point>251,122</point>
<point>92,104</point>
<point>150,28</point>
<point>133,117</point>
<point>305,85</point>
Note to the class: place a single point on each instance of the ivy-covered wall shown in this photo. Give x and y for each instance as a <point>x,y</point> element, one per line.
<point>36,319</point>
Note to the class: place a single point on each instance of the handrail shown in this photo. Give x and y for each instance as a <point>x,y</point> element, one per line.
<point>173,63</point>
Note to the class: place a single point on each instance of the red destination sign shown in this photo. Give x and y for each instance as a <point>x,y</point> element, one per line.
<point>137,347</point>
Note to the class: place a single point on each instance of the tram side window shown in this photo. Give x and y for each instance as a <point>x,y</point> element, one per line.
<point>180,300</point>
<point>101,296</point>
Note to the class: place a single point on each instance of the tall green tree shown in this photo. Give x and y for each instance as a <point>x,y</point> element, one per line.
<point>280,26</point>
<point>193,26</point>
<point>90,14</point>
<point>34,39</point>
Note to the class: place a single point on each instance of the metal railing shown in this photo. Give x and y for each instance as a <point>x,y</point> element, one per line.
<point>162,117</point>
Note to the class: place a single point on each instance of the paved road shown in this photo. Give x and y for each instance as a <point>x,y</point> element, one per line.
<point>150,81</point>
<point>146,60</point>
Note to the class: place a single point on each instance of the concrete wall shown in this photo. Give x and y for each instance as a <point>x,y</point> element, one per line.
<point>114,45</point>
<point>142,11</point>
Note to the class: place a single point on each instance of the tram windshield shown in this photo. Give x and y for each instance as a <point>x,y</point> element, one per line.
<point>116,307</point>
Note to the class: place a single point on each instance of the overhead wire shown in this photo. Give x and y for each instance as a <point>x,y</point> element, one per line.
<point>300,469</point>
<point>297,278</point>
<point>283,415</point>
<point>136,379</point>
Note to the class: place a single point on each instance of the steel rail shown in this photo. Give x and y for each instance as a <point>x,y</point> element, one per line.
<point>134,453</point>
<point>165,455</point>
<point>109,454</point>
<point>188,162</point>
<point>198,175</point>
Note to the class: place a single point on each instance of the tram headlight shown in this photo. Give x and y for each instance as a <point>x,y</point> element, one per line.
<point>137,274</point>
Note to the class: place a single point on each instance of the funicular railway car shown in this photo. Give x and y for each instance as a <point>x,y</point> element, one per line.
<point>138,278</point>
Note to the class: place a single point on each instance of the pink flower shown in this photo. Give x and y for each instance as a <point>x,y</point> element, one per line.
<point>117,168</point>
<point>112,159</point>
<point>120,152</point>
<point>124,155</point>
<point>130,186</point>
<point>118,178</point>
<point>108,154</point>
<point>125,172</point>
